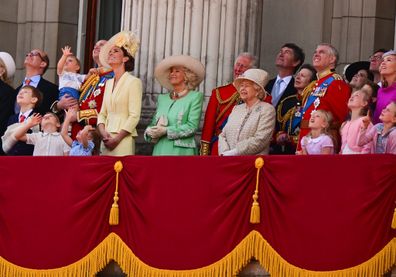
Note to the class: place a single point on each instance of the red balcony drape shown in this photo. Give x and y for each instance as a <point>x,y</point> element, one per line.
<point>318,213</point>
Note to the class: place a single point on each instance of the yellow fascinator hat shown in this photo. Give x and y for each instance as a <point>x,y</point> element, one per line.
<point>124,39</point>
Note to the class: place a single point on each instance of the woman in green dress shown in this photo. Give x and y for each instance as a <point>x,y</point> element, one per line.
<point>178,113</point>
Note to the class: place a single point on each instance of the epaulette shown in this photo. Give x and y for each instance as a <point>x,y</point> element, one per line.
<point>337,76</point>
<point>287,98</point>
<point>307,91</point>
<point>225,85</point>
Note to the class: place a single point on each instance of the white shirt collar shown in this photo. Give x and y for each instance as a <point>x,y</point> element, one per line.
<point>286,79</point>
<point>34,80</point>
<point>51,134</point>
<point>26,114</point>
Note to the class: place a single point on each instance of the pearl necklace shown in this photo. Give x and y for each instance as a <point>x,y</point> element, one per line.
<point>176,95</point>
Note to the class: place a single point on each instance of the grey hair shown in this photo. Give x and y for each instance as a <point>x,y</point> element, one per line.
<point>259,90</point>
<point>333,51</point>
<point>252,58</point>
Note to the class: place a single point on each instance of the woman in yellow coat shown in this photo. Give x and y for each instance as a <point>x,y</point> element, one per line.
<point>122,98</point>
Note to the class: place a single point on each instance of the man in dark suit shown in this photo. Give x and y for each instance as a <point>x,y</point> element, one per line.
<point>36,64</point>
<point>288,60</point>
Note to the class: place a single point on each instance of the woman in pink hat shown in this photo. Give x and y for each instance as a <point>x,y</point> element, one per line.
<point>122,100</point>
<point>250,125</point>
<point>178,113</point>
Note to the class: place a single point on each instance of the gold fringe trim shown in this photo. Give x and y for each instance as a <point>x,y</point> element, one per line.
<point>394,220</point>
<point>254,245</point>
<point>114,218</point>
<point>255,211</point>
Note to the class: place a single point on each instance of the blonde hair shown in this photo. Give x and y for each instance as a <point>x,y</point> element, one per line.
<point>4,76</point>
<point>190,78</point>
<point>328,117</point>
<point>367,98</point>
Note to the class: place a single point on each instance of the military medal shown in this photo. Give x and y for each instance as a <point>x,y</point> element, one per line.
<point>97,92</point>
<point>298,110</point>
<point>316,104</point>
<point>92,104</point>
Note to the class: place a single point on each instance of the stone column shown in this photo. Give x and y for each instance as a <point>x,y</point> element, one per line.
<point>213,31</point>
<point>361,27</point>
<point>44,24</point>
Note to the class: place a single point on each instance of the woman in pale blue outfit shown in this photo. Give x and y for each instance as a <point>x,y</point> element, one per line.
<point>178,113</point>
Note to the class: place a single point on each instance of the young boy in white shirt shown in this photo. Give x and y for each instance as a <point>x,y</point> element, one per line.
<point>49,142</point>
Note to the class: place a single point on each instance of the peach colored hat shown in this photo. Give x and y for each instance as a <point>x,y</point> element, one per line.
<point>9,64</point>
<point>162,70</point>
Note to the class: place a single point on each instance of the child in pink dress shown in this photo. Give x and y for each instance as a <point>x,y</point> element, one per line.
<point>318,141</point>
<point>382,135</point>
<point>358,104</point>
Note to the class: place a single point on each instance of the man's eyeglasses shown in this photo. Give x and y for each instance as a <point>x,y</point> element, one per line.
<point>34,54</point>
<point>375,58</point>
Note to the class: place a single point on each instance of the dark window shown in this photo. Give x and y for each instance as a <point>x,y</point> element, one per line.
<point>109,18</point>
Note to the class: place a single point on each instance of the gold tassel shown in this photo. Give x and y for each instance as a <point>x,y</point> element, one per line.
<point>255,211</point>
<point>394,219</point>
<point>114,211</point>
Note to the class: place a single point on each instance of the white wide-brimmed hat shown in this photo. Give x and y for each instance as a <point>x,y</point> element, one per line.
<point>258,76</point>
<point>9,64</point>
<point>162,70</point>
<point>390,52</point>
<point>125,39</point>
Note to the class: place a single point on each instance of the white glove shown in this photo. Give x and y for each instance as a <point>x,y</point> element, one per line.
<point>232,152</point>
<point>157,131</point>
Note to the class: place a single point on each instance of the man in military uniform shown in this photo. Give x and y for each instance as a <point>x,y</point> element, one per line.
<point>91,94</point>
<point>92,91</point>
<point>220,105</point>
<point>329,92</point>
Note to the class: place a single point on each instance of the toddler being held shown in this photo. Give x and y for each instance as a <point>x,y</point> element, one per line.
<point>69,79</point>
